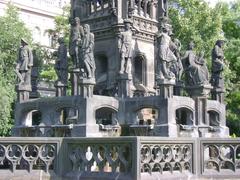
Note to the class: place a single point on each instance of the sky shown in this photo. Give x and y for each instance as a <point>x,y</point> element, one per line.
<point>213,2</point>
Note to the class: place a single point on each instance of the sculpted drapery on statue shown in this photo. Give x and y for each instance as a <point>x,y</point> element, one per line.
<point>166,56</point>
<point>195,67</point>
<point>176,67</point>
<point>87,54</point>
<point>24,64</point>
<point>61,65</point>
<point>75,40</point>
<point>217,65</point>
<point>125,46</point>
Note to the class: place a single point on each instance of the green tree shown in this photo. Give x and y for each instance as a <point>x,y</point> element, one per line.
<point>11,31</point>
<point>61,30</point>
<point>194,20</point>
<point>231,27</point>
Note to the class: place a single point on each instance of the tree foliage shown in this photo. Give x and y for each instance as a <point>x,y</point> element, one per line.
<point>11,31</point>
<point>61,30</point>
<point>231,27</point>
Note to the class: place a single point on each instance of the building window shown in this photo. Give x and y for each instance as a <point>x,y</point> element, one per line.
<point>37,34</point>
<point>139,69</point>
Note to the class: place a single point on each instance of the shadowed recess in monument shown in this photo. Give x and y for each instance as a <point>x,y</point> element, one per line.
<point>101,75</point>
<point>106,116</point>
<point>184,116</point>
<point>139,78</point>
<point>213,117</point>
<point>145,120</point>
<point>36,118</point>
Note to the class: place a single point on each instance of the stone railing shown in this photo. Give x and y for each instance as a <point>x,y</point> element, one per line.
<point>220,157</point>
<point>132,158</point>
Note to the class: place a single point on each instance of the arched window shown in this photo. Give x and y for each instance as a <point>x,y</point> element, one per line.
<point>139,68</point>
<point>36,117</point>
<point>106,116</point>
<point>184,116</point>
<point>147,116</point>
<point>213,118</point>
<point>37,34</point>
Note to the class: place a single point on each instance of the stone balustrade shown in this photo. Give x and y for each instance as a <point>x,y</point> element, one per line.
<point>122,158</point>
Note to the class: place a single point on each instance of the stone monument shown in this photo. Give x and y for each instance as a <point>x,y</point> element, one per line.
<point>126,64</point>
<point>23,70</point>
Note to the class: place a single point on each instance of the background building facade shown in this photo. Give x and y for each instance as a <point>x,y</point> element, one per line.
<point>38,15</point>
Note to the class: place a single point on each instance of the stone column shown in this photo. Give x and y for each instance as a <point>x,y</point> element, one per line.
<point>23,92</point>
<point>218,94</point>
<point>74,81</point>
<point>86,87</point>
<point>125,86</point>
<point>200,95</point>
<point>165,87</point>
<point>61,89</point>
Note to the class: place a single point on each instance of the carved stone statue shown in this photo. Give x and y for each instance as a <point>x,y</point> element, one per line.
<point>217,65</point>
<point>165,54</point>
<point>61,64</point>
<point>195,67</point>
<point>176,67</point>
<point>126,48</point>
<point>75,39</point>
<point>24,64</point>
<point>87,57</point>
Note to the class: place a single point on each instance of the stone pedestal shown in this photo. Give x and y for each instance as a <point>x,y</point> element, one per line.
<point>218,94</point>
<point>61,89</point>
<point>86,87</point>
<point>75,73</point>
<point>23,92</point>
<point>177,89</point>
<point>125,86</point>
<point>199,90</point>
<point>165,87</point>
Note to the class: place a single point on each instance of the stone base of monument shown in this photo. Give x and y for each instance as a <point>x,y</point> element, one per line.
<point>166,130</point>
<point>125,86</point>
<point>199,90</point>
<point>61,89</point>
<point>178,88</point>
<point>23,92</point>
<point>74,81</point>
<point>165,87</point>
<point>86,130</point>
<point>86,87</point>
<point>218,94</point>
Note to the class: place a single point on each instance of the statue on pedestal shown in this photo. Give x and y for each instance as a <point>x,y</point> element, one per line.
<point>61,65</point>
<point>75,40</point>
<point>195,67</point>
<point>166,56</point>
<point>125,46</point>
<point>24,64</point>
<point>86,53</point>
<point>217,65</point>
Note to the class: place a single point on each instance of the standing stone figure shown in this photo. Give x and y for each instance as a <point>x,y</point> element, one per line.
<point>195,67</point>
<point>217,65</point>
<point>126,49</point>
<point>86,52</point>
<point>61,64</point>
<point>24,65</point>
<point>177,67</point>
<point>75,39</point>
<point>165,54</point>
